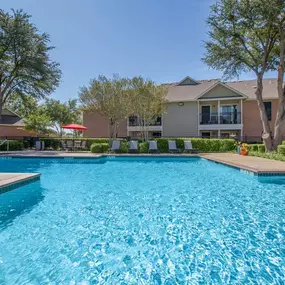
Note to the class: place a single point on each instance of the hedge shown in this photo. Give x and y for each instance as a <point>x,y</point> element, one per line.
<point>203,145</point>
<point>13,145</point>
<point>55,143</point>
<point>281,149</point>
<point>253,147</point>
<point>261,148</point>
<point>99,147</point>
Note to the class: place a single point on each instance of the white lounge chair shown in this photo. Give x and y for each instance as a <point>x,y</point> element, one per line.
<point>116,145</point>
<point>188,147</point>
<point>134,146</point>
<point>172,146</point>
<point>153,147</point>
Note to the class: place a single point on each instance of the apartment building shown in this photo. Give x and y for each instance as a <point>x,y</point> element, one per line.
<point>206,108</point>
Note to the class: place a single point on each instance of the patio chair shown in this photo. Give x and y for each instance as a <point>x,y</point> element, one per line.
<point>69,145</point>
<point>63,145</point>
<point>152,148</point>
<point>116,146</point>
<point>172,146</point>
<point>83,144</point>
<point>77,144</point>
<point>189,148</point>
<point>134,146</point>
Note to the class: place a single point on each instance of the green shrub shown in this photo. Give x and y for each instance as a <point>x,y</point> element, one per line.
<point>124,147</point>
<point>96,148</point>
<point>281,149</point>
<point>268,155</point>
<point>13,145</point>
<point>253,147</point>
<point>99,147</point>
<point>54,143</point>
<point>105,147</point>
<point>261,148</point>
<point>143,147</point>
<point>203,145</point>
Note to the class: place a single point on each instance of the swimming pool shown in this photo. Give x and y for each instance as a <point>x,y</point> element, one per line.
<point>141,221</point>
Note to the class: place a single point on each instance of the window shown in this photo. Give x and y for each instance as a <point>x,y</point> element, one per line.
<point>268,109</point>
<point>156,134</point>
<point>206,135</point>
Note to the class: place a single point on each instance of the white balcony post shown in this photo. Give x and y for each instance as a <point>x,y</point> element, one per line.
<point>219,112</point>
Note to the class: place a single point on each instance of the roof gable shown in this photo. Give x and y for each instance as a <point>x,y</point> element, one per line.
<point>187,81</point>
<point>220,91</point>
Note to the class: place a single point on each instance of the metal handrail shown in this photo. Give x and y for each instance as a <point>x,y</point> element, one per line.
<point>5,141</point>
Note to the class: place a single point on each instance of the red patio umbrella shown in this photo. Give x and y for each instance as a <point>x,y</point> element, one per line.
<point>75,127</point>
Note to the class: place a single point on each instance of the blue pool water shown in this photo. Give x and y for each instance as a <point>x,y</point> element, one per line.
<point>141,221</point>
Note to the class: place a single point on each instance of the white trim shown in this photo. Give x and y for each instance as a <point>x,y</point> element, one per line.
<point>224,85</point>
<point>219,133</point>
<point>221,99</point>
<point>241,111</point>
<point>222,127</point>
<point>187,77</point>
<point>219,112</point>
<point>198,115</point>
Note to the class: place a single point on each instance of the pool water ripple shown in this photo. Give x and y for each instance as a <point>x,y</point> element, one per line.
<point>141,221</point>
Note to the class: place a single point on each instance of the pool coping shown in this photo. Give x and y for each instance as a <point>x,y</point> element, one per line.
<point>244,166</point>
<point>10,181</point>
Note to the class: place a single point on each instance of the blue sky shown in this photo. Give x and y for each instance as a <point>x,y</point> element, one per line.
<point>158,39</point>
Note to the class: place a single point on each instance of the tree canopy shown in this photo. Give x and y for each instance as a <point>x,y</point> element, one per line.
<point>25,64</point>
<point>248,35</point>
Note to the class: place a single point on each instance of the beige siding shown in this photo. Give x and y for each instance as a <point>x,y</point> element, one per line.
<point>220,92</point>
<point>180,121</point>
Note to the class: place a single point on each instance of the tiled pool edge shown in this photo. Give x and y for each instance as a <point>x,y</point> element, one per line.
<point>18,182</point>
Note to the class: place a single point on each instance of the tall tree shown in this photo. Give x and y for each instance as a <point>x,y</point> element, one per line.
<point>108,98</point>
<point>23,105</point>
<point>62,113</point>
<point>248,35</point>
<point>147,101</point>
<point>25,64</point>
<point>38,122</point>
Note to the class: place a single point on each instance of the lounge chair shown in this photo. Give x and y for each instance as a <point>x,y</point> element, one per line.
<point>189,148</point>
<point>152,148</point>
<point>116,145</point>
<point>134,146</point>
<point>77,144</point>
<point>172,146</point>
<point>83,144</point>
<point>69,145</point>
<point>63,145</point>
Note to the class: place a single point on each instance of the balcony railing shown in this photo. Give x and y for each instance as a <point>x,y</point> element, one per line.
<point>225,118</point>
<point>134,122</point>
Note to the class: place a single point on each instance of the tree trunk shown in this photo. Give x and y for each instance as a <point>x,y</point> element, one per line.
<point>279,128</point>
<point>111,132</point>
<point>267,135</point>
<point>1,108</point>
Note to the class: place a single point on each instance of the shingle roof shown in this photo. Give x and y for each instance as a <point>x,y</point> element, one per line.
<point>178,93</point>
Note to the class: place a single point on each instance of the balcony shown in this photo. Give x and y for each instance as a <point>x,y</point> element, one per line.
<point>134,122</point>
<point>224,118</point>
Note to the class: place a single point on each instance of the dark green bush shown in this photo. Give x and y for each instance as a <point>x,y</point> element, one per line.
<point>253,147</point>
<point>105,147</point>
<point>124,147</point>
<point>261,148</point>
<point>99,147</point>
<point>143,147</point>
<point>54,143</point>
<point>281,149</point>
<point>96,148</point>
<point>13,145</point>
